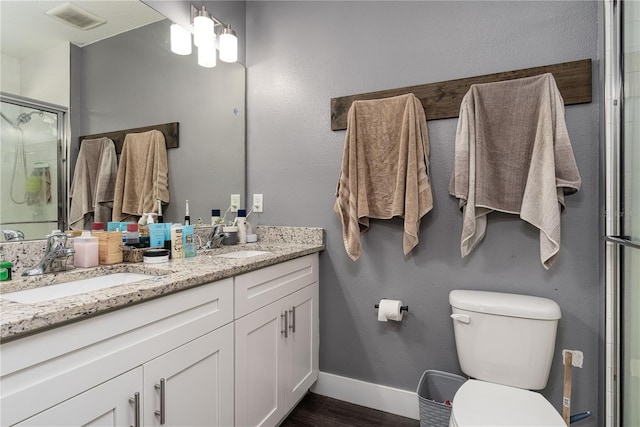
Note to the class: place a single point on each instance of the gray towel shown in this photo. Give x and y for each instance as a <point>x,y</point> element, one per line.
<point>513,155</point>
<point>384,169</point>
<point>93,185</point>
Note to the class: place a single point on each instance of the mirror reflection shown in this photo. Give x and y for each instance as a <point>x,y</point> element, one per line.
<point>29,178</point>
<point>120,82</point>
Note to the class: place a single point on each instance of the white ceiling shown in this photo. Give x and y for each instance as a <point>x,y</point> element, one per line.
<point>26,29</point>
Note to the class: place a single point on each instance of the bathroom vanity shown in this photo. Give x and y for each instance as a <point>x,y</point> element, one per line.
<point>214,341</point>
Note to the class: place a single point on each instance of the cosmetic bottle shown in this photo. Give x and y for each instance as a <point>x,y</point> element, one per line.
<point>160,216</point>
<point>187,218</point>
<point>177,249</point>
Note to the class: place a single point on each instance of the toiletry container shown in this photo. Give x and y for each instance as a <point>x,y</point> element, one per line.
<point>188,242</point>
<point>155,256</point>
<point>187,217</point>
<point>97,226</point>
<point>177,249</point>
<point>242,226</point>
<point>5,270</point>
<point>230,235</point>
<point>133,235</point>
<point>86,250</point>
<point>109,244</point>
<point>506,343</point>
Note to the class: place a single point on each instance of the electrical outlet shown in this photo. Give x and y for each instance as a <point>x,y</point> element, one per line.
<point>257,203</point>
<point>235,202</point>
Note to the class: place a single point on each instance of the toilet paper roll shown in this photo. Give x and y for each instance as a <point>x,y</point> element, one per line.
<point>389,309</point>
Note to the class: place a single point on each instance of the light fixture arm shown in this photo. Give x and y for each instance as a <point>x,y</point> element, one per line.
<point>203,12</point>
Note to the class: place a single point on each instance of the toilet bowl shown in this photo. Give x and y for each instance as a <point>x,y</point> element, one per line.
<point>505,343</point>
<point>484,404</point>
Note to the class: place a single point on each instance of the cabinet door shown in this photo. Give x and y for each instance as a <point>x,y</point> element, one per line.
<point>302,342</point>
<point>105,405</point>
<point>259,365</point>
<point>197,383</point>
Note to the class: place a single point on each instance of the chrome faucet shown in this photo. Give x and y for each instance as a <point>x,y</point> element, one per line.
<point>216,237</point>
<point>55,256</point>
<point>12,235</point>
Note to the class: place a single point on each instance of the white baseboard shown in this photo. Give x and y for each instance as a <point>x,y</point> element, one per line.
<point>383,398</point>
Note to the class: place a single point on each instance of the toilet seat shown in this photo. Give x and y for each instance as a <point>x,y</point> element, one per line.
<point>479,403</point>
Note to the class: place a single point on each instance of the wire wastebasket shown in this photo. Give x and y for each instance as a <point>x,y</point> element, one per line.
<point>434,389</point>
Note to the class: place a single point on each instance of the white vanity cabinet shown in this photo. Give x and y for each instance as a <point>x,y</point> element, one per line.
<point>276,340</point>
<point>195,382</point>
<point>239,351</point>
<point>88,373</point>
<point>103,405</point>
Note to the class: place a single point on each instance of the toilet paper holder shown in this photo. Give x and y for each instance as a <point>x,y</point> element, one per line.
<point>402,307</point>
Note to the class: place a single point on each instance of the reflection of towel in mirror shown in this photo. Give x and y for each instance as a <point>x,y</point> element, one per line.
<point>143,176</point>
<point>384,169</point>
<point>513,155</point>
<point>39,185</point>
<point>93,183</point>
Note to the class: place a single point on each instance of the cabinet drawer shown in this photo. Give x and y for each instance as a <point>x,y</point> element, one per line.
<point>261,287</point>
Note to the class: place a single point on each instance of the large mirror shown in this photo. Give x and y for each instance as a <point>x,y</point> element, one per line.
<point>127,78</point>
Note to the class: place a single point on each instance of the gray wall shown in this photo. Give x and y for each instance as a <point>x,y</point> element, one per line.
<point>299,56</point>
<point>134,80</point>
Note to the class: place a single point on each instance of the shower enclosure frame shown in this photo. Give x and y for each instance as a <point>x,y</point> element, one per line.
<point>61,148</point>
<point>621,207</point>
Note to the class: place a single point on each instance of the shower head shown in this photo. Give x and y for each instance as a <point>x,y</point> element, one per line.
<point>26,117</point>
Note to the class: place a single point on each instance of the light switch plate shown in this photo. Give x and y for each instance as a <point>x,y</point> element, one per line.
<point>235,202</point>
<point>257,203</point>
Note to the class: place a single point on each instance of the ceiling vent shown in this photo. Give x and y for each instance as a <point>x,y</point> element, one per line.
<point>75,16</point>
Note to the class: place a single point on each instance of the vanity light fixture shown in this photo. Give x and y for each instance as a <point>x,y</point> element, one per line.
<point>228,45</point>
<point>207,54</point>
<point>180,40</point>
<point>209,34</point>
<point>203,26</point>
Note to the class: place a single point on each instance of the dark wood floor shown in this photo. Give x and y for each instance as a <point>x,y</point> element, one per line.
<point>321,411</point>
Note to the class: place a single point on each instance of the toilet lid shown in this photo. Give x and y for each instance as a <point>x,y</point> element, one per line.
<point>479,403</point>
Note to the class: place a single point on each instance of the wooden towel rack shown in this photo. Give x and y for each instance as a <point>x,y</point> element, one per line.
<point>169,130</point>
<point>442,100</point>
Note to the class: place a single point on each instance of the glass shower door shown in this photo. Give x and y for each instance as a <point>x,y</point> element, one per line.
<point>629,273</point>
<point>30,149</point>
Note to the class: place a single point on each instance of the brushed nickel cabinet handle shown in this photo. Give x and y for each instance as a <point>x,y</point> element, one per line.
<point>285,323</point>
<point>292,312</point>
<point>135,400</point>
<point>161,412</point>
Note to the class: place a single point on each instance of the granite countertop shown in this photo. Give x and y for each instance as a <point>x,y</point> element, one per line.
<point>22,319</point>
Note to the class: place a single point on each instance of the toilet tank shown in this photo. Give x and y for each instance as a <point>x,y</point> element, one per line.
<point>505,338</point>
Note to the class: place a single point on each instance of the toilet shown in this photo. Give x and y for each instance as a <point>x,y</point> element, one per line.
<point>505,344</point>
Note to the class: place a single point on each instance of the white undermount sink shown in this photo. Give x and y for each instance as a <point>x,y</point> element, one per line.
<point>242,254</point>
<point>50,292</point>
